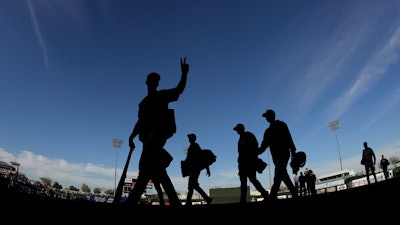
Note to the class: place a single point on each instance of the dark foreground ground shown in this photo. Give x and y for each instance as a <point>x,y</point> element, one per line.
<point>361,204</point>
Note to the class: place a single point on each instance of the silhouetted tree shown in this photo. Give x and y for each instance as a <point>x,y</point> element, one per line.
<point>57,185</point>
<point>97,190</point>
<point>73,188</point>
<point>393,160</point>
<point>46,181</point>
<point>85,188</point>
<point>109,192</point>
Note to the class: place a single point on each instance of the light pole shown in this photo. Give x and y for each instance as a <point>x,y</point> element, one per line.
<point>334,125</point>
<point>117,143</point>
<point>269,172</point>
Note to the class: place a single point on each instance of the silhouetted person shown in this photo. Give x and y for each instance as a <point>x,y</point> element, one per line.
<point>154,128</point>
<point>307,178</point>
<point>369,158</point>
<point>302,185</point>
<point>192,157</point>
<point>247,158</point>
<point>310,180</point>
<point>384,166</point>
<point>279,140</point>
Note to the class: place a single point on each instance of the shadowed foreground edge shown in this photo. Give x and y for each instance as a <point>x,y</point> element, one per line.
<point>380,198</point>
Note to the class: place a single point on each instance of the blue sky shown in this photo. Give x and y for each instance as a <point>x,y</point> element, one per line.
<point>73,73</point>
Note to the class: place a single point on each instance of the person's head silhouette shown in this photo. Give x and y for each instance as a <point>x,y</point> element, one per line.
<point>239,128</point>
<point>153,80</point>
<point>192,137</point>
<point>269,115</point>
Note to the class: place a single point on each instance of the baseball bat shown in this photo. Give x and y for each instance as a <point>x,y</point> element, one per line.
<point>118,192</point>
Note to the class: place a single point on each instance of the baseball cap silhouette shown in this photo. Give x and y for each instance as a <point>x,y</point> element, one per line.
<point>238,126</point>
<point>269,112</point>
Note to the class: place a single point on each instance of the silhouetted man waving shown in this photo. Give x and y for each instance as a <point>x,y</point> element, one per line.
<point>154,126</point>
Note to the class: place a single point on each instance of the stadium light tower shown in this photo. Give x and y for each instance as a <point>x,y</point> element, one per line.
<point>117,143</point>
<point>269,171</point>
<point>334,125</point>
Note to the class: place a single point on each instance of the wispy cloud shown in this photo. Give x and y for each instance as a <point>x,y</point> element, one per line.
<point>373,70</point>
<point>36,29</point>
<point>386,106</point>
<point>325,68</point>
<point>331,56</point>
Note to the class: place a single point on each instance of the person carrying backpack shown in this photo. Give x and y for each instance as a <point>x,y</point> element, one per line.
<point>192,157</point>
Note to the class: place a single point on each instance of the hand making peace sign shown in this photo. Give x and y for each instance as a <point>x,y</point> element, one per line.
<point>184,66</point>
